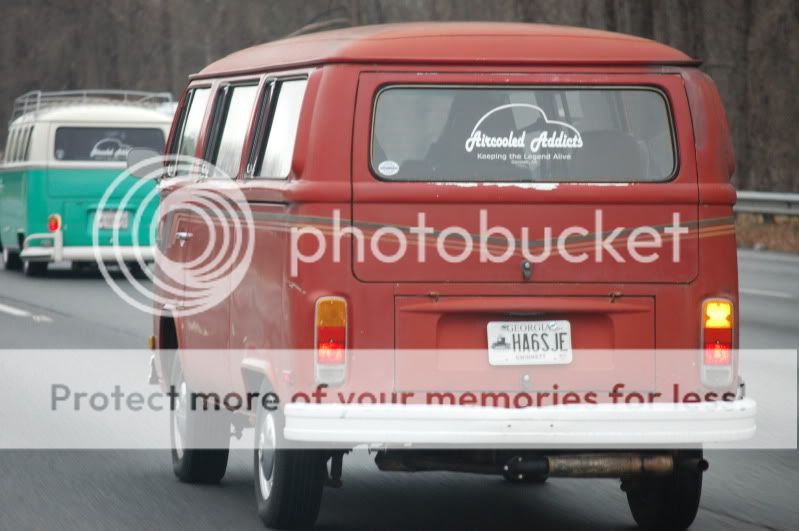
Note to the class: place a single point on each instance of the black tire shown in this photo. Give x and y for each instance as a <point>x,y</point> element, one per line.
<point>136,270</point>
<point>34,269</point>
<point>200,439</point>
<point>11,260</point>
<point>288,482</point>
<point>669,503</point>
<point>81,267</point>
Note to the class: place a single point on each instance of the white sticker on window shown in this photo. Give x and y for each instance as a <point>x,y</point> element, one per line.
<point>388,168</point>
<point>542,139</point>
<point>110,149</point>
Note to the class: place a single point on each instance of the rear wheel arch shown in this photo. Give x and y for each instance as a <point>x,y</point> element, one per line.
<point>258,378</point>
<point>255,380</point>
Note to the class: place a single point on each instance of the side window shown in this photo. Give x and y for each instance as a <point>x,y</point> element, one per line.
<point>20,142</point>
<point>191,120</point>
<point>279,147</point>
<point>26,145</point>
<point>18,139</point>
<point>11,145</point>
<point>236,108</point>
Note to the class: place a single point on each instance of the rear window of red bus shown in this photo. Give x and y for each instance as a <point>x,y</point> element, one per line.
<point>522,134</point>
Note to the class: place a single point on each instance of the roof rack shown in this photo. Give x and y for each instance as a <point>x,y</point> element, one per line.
<point>36,100</point>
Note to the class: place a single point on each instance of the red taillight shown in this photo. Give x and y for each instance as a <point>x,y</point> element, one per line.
<point>717,354</point>
<point>331,331</point>
<point>54,223</point>
<point>330,345</point>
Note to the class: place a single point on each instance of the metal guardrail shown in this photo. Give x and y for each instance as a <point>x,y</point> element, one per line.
<point>37,99</point>
<point>768,203</point>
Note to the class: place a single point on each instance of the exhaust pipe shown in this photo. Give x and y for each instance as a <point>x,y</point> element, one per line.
<point>591,466</point>
<point>609,465</point>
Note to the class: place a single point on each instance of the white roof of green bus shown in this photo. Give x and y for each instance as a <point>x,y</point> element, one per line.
<point>94,113</point>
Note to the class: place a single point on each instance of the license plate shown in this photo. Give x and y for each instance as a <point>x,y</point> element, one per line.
<point>529,342</point>
<point>111,219</point>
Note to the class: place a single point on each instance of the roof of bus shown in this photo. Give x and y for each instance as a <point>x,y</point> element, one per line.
<point>96,112</point>
<point>474,43</point>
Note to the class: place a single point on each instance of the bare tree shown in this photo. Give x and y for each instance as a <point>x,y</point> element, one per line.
<point>748,46</point>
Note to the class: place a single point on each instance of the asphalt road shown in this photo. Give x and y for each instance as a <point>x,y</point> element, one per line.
<point>136,489</point>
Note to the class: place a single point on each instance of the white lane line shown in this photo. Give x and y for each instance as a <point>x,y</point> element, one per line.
<point>19,312</point>
<point>767,293</point>
<point>10,310</point>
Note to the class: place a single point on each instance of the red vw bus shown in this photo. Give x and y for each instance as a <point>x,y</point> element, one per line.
<point>476,247</point>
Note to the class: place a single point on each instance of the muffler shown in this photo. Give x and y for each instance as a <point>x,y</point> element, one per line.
<point>609,465</point>
<point>539,466</point>
<point>590,466</point>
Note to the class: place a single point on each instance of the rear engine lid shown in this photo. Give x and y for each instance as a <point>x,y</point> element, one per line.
<point>451,344</point>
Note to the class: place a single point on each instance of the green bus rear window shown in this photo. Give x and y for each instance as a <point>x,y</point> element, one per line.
<point>104,144</point>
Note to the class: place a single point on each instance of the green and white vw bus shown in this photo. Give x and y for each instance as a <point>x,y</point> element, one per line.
<point>64,150</point>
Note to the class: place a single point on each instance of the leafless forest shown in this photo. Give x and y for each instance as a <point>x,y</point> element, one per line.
<point>750,47</point>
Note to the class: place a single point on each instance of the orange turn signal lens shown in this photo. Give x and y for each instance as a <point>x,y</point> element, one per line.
<point>718,314</point>
<point>331,311</point>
